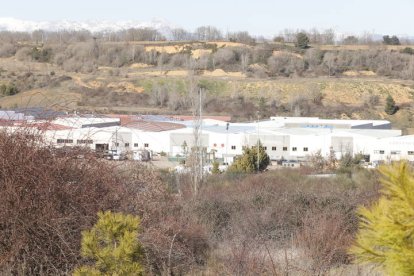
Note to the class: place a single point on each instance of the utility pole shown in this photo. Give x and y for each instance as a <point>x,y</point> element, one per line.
<point>198,143</point>
<point>227,143</point>
<point>116,140</point>
<point>201,134</point>
<point>258,142</point>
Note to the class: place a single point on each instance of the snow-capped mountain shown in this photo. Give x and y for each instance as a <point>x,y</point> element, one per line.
<point>13,24</point>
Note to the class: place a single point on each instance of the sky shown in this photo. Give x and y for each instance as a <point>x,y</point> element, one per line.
<point>259,17</point>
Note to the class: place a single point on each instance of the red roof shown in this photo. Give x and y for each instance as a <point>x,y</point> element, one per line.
<point>45,126</point>
<point>124,119</point>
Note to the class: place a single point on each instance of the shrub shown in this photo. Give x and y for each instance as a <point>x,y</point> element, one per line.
<point>113,245</point>
<point>48,198</point>
<point>251,161</point>
<point>173,241</point>
<point>390,107</point>
<point>385,236</point>
<point>8,89</point>
<point>215,169</point>
<point>323,239</point>
<point>408,50</point>
<point>302,41</point>
<point>41,55</point>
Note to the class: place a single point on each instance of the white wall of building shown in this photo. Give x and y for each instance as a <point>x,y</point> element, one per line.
<point>300,143</point>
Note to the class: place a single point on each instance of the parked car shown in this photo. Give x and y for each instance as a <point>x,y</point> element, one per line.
<point>115,155</point>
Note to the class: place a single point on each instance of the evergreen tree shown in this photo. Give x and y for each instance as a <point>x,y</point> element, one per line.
<point>386,39</point>
<point>395,40</point>
<point>302,41</point>
<point>215,169</point>
<point>247,163</point>
<point>390,107</point>
<point>386,232</point>
<point>113,245</point>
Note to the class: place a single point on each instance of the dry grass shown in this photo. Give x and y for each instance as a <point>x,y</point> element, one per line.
<point>336,90</point>
<point>197,53</point>
<point>56,98</point>
<point>278,53</point>
<point>139,66</point>
<point>352,73</point>
<point>220,73</point>
<point>125,87</point>
<point>359,47</point>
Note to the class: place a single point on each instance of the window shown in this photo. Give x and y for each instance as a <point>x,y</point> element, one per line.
<point>273,148</point>
<point>222,145</point>
<point>284,148</point>
<point>233,147</point>
<point>215,145</point>
<point>294,148</point>
<point>265,148</point>
<point>393,152</point>
<point>146,145</point>
<point>135,145</point>
<point>64,141</point>
<point>116,144</point>
<point>410,152</point>
<point>127,145</point>
<point>305,149</point>
<point>379,152</point>
<point>84,141</point>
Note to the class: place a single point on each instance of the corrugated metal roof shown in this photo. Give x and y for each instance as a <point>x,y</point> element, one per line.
<point>316,120</point>
<point>151,126</point>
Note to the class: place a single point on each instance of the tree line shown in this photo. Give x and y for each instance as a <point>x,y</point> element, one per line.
<point>259,61</point>
<point>202,33</point>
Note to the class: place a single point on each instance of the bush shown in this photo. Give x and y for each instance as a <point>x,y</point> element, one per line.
<point>281,222</point>
<point>215,169</point>
<point>250,161</point>
<point>49,197</point>
<point>8,89</point>
<point>173,240</point>
<point>390,107</point>
<point>408,50</point>
<point>302,41</point>
<point>113,245</point>
<point>324,239</point>
<point>23,54</point>
<point>7,50</point>
<point>41,55</point>
<point>385,237</point>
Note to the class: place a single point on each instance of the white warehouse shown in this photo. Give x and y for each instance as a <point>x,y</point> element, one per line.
<point>284,138</point>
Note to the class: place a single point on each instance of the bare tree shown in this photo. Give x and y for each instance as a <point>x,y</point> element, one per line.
<point>244,61</point>
<point>180,34</point>
<point>329,62</point>
<point>329,37</point>
<point>208,33</point>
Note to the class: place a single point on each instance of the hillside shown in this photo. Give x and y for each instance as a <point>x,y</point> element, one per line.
<point>157,81</point>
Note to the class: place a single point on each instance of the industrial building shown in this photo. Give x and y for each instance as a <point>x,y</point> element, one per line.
<point>284,138</point>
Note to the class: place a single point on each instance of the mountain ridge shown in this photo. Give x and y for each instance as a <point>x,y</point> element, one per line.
<point>19,25</point>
